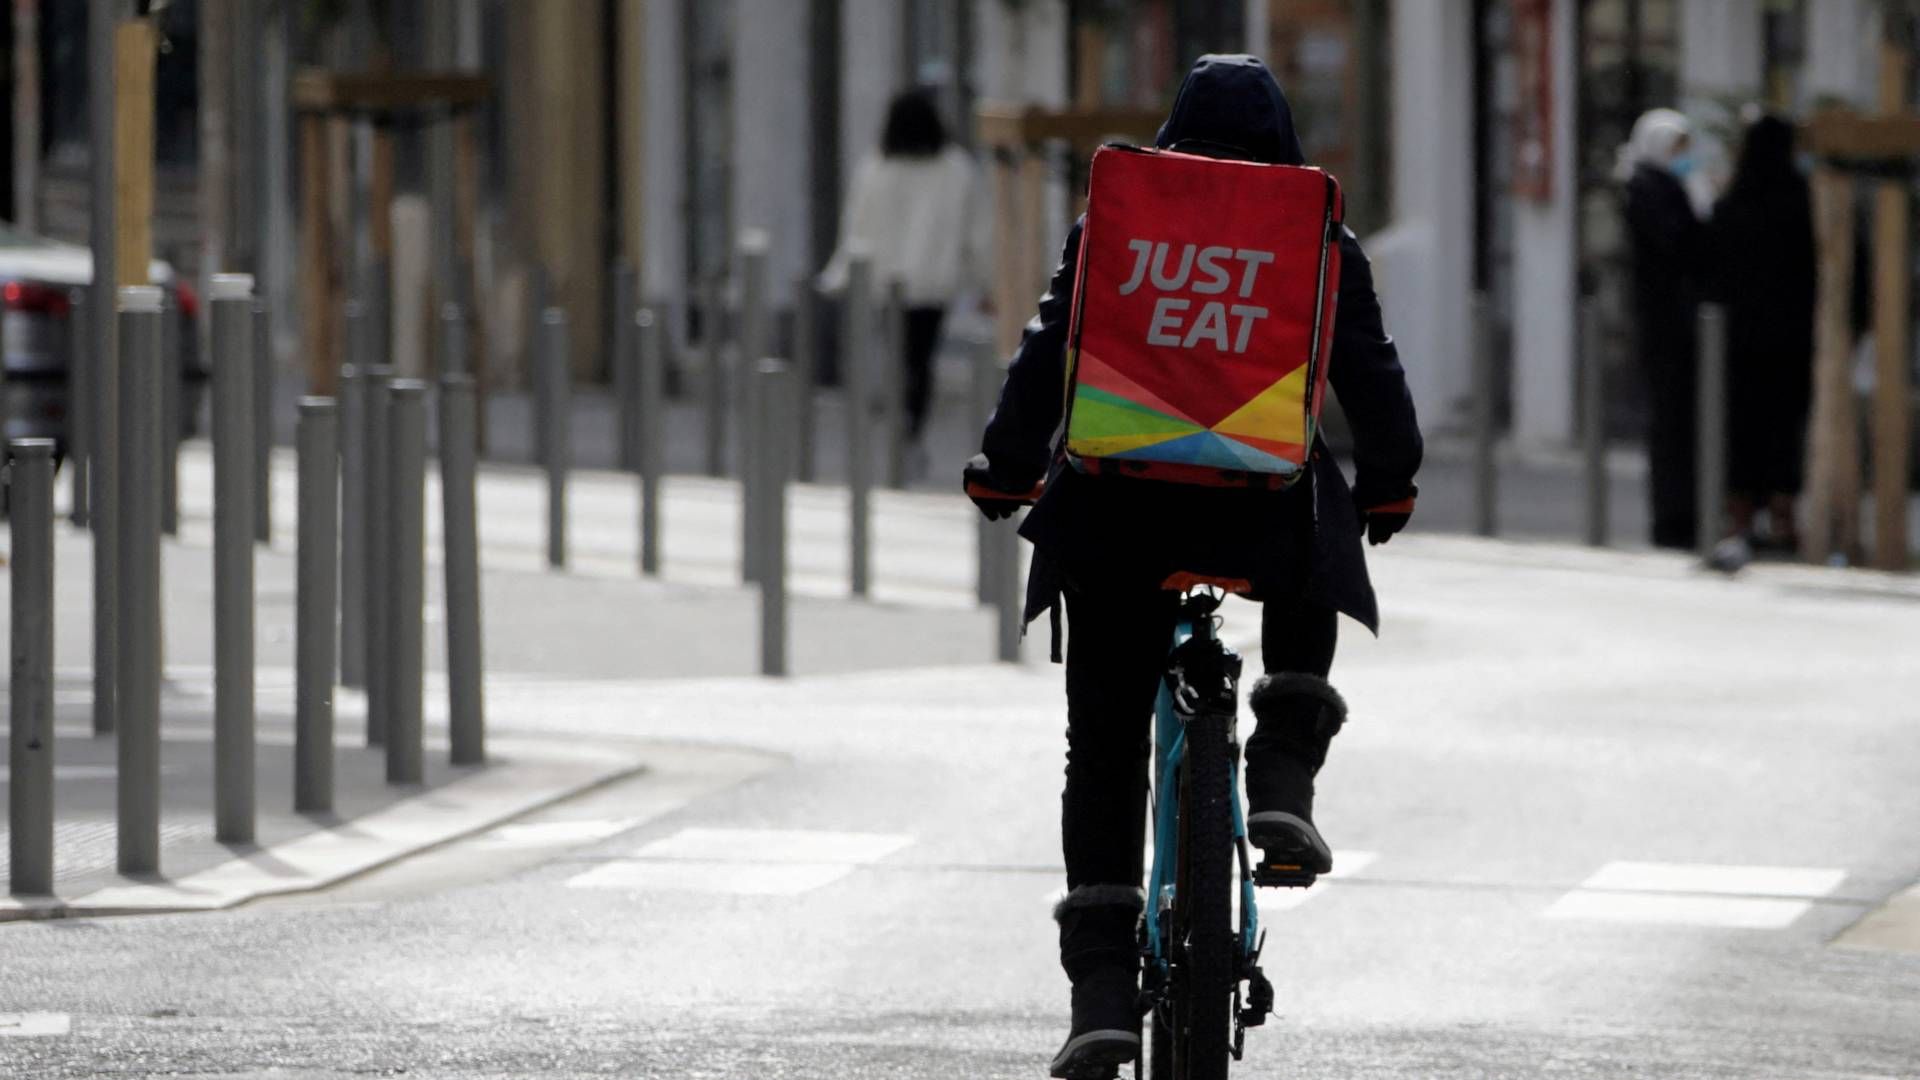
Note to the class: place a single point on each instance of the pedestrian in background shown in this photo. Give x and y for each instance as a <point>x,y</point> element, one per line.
<point>1764,270</point>
<point>1666,242</point>
<point>915,209</point>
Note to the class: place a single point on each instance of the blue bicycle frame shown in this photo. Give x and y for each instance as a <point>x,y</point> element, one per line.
<point>1170,732</point>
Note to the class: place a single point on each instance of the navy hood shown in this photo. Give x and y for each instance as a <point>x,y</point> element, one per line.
<point>1234,101</point>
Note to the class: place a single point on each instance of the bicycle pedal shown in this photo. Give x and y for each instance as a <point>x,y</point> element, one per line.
<point>1281,875</point>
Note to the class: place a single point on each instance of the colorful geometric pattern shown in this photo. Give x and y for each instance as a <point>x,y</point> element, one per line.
<point>1115,417</point>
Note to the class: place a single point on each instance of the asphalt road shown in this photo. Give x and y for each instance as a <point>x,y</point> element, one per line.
<point>1557,765</point>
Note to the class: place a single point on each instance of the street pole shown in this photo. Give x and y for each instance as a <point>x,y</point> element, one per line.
<point>650,380</point>
<point>30,688</point>
<point>231,302</point>
<point>172,375</point>
<point>407,553</point>
<point>774,419</point>
<point>1593,421</point>
<point>858,338</point>
<point>378,576</point>
<point>137,686</point>
<point>351,428</point>
<point>713,311</point>
<point>806,374</point>
<point>263,392</point>
<point>79,403</point>
<point>460,541</point>
<point>982,385</point>
<point>754,442</point>
<point>103,17</point>
<point>893,383</point>
<point>622,283</point>
<point>1486,469</point>
<point>1711,458</point>
<point>1010,598</point>
<point>316,586</point>
<point>555,442</point>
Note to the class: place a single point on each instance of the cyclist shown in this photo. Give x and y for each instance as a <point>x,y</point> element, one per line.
<point>1109,544</point>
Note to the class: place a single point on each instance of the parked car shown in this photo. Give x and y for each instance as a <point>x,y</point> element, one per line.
<point>39,282</point>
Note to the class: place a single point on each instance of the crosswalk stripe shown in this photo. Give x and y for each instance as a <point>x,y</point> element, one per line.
<point>34,1025</point>
<point>1697,894</point>
<point>742,862</point>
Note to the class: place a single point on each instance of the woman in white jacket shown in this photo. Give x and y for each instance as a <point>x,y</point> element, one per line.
<point>915,209</point>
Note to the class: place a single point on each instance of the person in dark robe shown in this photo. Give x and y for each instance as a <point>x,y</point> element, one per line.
<point>1764,271</point>
<point>1666,242</point>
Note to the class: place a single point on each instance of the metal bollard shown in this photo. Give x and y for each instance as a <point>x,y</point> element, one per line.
<point>406,553</point>
<point>137,681</point>
<point>753,440</point>
<point>379,309</point>
<point>1486,468</point>
<point>774,419</point>
<point>1711,458</point>
<point>806,375</point>
<point>460,543</point>
<point>172,378</point>
<point>316,591</point>
<point>856,371</point>
<point>231,348</point>
<point>621,282</point>
<point>713,312</point>
<point>1593,421</point>
<point>79,404</point>
<point>103,505</point>
<point>893,384</point>
<point>264,385</point>
<point>1010,597</point>
<point>377,604</point>
<point>351,426</point>
<point>985,377</point>
<point>30,691</point>
<point>650,385</point>
<point>555,454</point>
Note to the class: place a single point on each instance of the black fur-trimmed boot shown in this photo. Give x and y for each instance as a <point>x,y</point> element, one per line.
<point>1296,716</point>
<point>1099,948</point>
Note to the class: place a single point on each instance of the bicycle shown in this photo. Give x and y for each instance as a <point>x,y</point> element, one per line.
<point>1194,960</point>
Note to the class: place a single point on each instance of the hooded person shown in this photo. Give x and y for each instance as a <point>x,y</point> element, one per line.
<point>1666,242</point>
<point>1764,271</point>
<point>1106,543</point>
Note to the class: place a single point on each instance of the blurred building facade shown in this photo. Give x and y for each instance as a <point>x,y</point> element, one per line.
<point>1475,138</point>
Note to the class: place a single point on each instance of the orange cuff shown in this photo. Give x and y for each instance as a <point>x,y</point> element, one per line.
<point>1403,506</point>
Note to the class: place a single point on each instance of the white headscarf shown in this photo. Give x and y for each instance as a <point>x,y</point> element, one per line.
<point>1655,141</point>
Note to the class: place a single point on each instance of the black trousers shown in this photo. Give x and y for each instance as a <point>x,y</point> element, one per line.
<point>923,337</point>
<point>1116,650</point>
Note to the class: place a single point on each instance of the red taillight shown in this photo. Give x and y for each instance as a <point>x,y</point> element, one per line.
<point>188,300</point>
<point>40,299</point>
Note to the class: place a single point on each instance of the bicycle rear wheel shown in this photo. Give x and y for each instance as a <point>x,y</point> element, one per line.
<point>1205,957</point>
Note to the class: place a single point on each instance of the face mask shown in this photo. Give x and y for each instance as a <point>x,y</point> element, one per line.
<point>1681,166</point>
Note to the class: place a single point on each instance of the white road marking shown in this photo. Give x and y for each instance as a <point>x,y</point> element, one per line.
<point>735,879</point>
<point>1666,909</point>
<point>1698,894</point>
<point>742,862</point>
<point>34,1025</point>
<point>762,846</point>
<point>1794,881</point>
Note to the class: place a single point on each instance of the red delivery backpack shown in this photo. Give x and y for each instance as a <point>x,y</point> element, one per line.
<point>1203,315</point>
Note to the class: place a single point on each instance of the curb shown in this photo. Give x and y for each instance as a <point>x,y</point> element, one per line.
<point>522,776</point>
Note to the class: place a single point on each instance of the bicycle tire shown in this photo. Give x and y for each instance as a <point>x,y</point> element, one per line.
<point>1203,904</point>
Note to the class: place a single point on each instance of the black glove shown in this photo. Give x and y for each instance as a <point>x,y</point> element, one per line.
<point>986,492</point>
<point>1382,518</point>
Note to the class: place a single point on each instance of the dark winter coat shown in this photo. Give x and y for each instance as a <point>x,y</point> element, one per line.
<point>1667,243</point>
<point>1112,532</point>
<point>1764,268</point>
